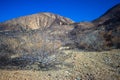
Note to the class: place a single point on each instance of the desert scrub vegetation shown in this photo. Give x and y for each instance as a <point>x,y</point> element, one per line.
<point>28,49</point>
<point>8,46</point>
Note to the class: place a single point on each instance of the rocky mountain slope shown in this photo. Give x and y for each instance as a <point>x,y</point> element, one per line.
<point>100,34</point>
<point>35,21</point>
<point>112,13</point>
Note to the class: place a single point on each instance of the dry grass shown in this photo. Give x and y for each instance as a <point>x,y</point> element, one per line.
<point>80,66</point>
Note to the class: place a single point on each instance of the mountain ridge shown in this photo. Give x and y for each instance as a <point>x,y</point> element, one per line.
<point>35,21</point>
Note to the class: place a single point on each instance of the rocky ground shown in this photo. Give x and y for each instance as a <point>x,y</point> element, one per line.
<point>80,65</point>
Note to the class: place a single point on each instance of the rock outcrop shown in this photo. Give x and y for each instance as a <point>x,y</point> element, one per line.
<point>35,21</point>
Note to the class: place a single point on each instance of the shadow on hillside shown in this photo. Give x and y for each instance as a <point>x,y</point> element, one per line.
<point>14,64</point>
<point>30,64</point>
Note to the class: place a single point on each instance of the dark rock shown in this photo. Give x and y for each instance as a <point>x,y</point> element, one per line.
<point>101,34</point>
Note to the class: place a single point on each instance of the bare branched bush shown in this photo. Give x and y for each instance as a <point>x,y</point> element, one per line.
<point>31,48</point>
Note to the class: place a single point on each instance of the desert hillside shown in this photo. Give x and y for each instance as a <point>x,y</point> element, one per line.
<point>47,46</point>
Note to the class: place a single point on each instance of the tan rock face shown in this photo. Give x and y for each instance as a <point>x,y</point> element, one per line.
<point>36,21</point>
